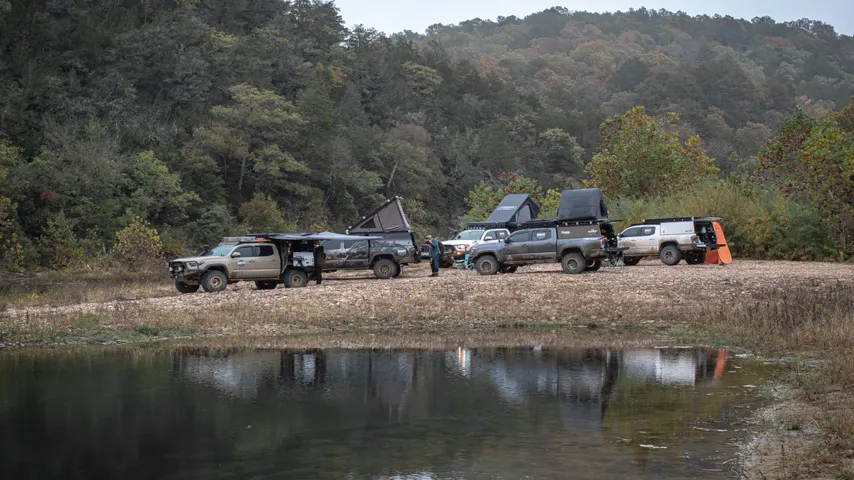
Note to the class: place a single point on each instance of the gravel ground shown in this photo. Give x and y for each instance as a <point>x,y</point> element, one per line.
<point>539,294</point>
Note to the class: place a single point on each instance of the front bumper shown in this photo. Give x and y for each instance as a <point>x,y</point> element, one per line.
<point>181,270</point>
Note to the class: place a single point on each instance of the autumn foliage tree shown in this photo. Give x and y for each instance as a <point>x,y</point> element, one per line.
<point>813,158</point>
<point>641,156</point>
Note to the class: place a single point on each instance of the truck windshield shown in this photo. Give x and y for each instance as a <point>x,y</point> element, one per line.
<point>469,235</point>
<point>218,251</point>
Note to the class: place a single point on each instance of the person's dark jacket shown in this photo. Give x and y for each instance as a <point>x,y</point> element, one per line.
<point>319,256</point>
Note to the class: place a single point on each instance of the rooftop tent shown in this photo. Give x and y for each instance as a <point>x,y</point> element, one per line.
<point>582,204</point>
<point>515,208</point>
<point>386,219</point>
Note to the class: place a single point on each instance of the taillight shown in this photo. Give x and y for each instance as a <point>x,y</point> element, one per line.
<point>694,238</point>
<point>602,242</point>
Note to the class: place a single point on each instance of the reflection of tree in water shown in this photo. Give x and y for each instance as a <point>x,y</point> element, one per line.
<point>363,412</point>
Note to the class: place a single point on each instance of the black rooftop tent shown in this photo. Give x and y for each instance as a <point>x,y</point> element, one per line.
<point>387,219</point>
<point>582,204</point>
<point>515,208</point>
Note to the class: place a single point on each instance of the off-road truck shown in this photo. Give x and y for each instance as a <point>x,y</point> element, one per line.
<point>393,245</point>
<point>576,245</point>
<point>580,239</point>
<point>513,211</point>
<point>266,259</point>
<point>670,239</point>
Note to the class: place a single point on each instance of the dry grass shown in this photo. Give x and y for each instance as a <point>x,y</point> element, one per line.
<point>811,432</point>
<point>56,289</point>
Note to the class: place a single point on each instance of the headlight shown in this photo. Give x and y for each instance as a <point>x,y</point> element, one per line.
<point>460,247</point>
<point>193,264</point>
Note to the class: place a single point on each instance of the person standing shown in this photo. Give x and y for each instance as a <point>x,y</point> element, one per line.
<point>435,255</point>
<point>319,261</point>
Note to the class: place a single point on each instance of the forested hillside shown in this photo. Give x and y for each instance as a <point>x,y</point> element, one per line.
<point>207,117</point>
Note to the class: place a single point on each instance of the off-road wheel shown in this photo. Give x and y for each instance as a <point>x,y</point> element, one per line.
<point>695,258</point>
<point>185,288</point>
<point>510,269</point>
<point>670,255</point>
<point>631,261</point>
<point>214,281</point>
<point>266,284</point>
<point>295,278</point>
<point>593,265</point>
<point>573,263</point>
<point>487,265</point>
<point>385,269</point>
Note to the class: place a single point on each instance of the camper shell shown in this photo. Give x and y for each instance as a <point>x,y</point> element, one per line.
<point>391,246</point>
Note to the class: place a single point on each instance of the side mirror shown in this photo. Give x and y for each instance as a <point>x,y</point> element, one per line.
<point>235,254</point>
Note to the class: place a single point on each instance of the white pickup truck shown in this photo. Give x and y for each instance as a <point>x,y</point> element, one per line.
<point>670,239</point>
<point>458,246</point>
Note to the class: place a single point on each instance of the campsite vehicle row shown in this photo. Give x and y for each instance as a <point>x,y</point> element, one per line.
<point>580,239</point>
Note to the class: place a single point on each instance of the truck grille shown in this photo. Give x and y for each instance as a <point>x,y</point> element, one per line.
<point>176,267</point>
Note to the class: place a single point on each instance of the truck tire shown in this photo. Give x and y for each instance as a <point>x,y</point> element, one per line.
<point>385,268</point>
<point>510,269</point>
<point>214,281</point>
<point>184,288</point>
<point>695,258</point>
<point>573,263</point>
<point>487,265</point>
<point>295,278</point>
<point>593,265</point>
<point>631,261</point>
<point>266,284</point>
<point>670,255</point>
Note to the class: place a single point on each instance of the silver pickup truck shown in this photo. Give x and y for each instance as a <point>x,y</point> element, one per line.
<point>670,239</point>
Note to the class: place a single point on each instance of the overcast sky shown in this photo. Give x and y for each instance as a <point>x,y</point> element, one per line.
<point>392,16</point>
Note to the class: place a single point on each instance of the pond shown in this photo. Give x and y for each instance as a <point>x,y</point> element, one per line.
<point>350,414</point>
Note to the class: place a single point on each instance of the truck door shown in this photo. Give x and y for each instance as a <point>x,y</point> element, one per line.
<point>517,246</point>
<point>542,247</point>
<point>356,254</point>
<point>242,266</point>
<point>267,262</point>
<point>336,255</point>
<point>629,238</point>
<point>647,240</point>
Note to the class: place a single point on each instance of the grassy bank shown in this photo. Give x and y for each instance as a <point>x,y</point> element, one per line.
<point>810,433</point>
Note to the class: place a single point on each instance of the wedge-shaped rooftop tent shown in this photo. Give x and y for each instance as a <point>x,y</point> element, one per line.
<point>582,204</point>
<point>515,208</point>
<point>386,219</point>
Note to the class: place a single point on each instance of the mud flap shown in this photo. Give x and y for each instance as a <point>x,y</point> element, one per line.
<point>722,255</point>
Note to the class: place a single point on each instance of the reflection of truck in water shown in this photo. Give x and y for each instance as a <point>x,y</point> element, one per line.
<point>385,255</point>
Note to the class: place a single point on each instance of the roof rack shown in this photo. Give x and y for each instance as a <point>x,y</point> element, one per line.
<point>564,222</point>
<point>648,221</point>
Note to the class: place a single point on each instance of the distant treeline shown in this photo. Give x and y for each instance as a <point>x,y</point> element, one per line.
<point>176,122</point>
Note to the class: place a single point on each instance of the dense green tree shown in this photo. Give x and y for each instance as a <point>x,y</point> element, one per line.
<point>643,157</point>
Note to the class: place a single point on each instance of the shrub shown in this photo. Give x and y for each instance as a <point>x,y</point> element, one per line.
<point>59,244</point>
<point>138,244</point>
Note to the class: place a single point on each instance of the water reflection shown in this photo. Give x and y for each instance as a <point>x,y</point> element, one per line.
<point>463,413</point>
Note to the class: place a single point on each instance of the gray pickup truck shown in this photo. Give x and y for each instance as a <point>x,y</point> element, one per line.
<point>576,245</point>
